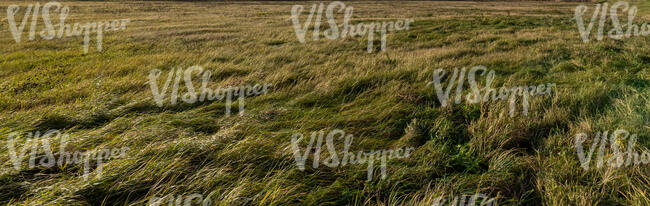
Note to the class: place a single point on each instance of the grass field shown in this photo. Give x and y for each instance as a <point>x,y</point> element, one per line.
<point>102,100</point>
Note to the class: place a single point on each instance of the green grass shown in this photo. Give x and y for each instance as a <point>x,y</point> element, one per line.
<point>102,100</point>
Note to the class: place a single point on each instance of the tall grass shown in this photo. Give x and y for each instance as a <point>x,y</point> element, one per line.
<point>102,100</point>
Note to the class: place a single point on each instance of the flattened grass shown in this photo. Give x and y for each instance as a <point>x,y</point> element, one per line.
<point>380,98</point>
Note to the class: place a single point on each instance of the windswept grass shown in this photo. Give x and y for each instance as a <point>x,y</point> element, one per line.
<point>102,100</point>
